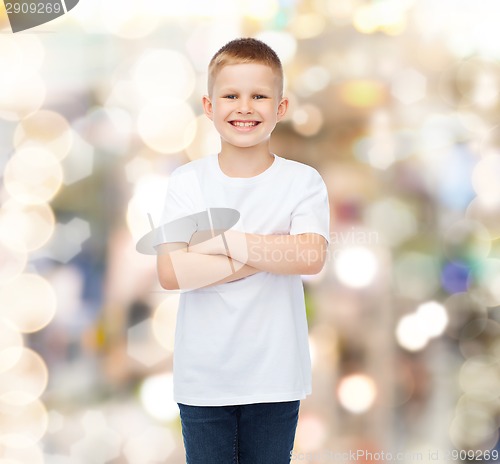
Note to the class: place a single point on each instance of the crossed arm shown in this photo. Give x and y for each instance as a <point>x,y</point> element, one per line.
<point>230,256</point>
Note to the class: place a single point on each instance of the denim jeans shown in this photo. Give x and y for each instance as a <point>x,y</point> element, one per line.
<point>261,433</point>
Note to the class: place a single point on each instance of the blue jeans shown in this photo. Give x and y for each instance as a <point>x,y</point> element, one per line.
<point>261,433</point>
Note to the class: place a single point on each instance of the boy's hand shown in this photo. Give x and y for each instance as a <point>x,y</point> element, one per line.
<point>207,242</point>
<point>221,242</point>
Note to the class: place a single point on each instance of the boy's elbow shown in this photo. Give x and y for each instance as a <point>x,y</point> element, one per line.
<point>313,267</point>
<point>165,268</point>
<point>167,277</point>
<point>169,282</point>
<point>315,260</point>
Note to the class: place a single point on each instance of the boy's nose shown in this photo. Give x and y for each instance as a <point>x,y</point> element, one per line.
<point>245,106</point>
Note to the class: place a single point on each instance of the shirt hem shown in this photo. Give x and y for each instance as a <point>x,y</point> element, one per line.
<point>237,400</point>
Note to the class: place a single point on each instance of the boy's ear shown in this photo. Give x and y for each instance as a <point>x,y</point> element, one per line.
<point>207,106</point>
<point>282,108</point>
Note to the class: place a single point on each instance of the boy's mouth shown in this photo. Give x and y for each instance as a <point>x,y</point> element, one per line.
<point>244,123</point>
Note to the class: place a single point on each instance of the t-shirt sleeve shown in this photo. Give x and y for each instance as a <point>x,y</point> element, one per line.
<point>178,220</point>
<point>312,212</point>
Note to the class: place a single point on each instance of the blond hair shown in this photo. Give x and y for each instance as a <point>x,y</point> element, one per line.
<point>244,50</point>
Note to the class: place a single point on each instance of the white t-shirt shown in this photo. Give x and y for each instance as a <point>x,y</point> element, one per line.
<point>246,341</point>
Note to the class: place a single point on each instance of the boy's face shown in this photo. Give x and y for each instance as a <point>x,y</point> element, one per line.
<point>245,104</point>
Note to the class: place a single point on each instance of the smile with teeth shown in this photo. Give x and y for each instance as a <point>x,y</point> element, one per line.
<point>245,123</point>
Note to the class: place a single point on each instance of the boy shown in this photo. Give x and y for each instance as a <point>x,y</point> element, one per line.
<point>241,362</point>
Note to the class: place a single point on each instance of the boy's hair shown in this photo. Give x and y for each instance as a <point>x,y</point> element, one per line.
<point>244,50</point>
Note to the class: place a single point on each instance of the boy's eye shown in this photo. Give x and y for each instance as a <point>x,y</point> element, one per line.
<point>230,97</point>
<point>259,97</point>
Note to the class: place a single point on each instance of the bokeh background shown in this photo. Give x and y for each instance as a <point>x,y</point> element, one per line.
<point>395,102</point>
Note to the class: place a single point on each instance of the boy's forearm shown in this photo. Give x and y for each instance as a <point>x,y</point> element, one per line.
<point>279,254</point>
<point>180,269</point>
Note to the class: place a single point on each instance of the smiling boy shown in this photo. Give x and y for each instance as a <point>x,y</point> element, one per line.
<point>241,358</point>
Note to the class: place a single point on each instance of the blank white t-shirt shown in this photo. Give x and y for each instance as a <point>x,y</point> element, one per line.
<point>246,341</point>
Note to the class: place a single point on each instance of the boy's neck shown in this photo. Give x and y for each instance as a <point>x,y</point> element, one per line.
<point>245,162</point>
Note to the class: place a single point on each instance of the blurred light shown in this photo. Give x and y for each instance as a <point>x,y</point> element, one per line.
<point>308,25</point>
<point>157,398</point>
<point>149,196</point>
<point>341,11</point>
<point>438,132</point>
<point>486,214</point>
<point>356,267</point>
<point>67,240</point>
<point>167,126</point>
<point>454,277</point>
<point>357,392</point>
<point>393,219</point>
<point>163,73</point>
<point>22,90</point>
<point>47,129</point>
<point>164,321</point>
<point>127,18</point>
<point>388,16</point>
<point>107,129</point>
<point>33,175</point>
<point>494,349</point>
<point>30,47</point>
<point>489,145</point>
<point>260,10</point>
<point>473,427</point>
<point>307,120</point>
<point>143,346</point>
<point>29,302</point>
<point>470,337</point>
<point>472,122</point>
<point>56,422</point>
<point>13,261</point>
<point>466,240</point>
<point>312,80</point>
<point>206,140</point>
<point>138,167</point>
<point>485,91</point>
<point>25,380</point>
<point>408,86</point>
<point>123,94</point>
<point>80,162</point>
<point>484,282</point>
<point>410,334</point>
<point>25,227</point>
<point>283,43</point>
<point>485,180</point>
<point>10,341</point>
<point>414,330</point>
<point>100,444</point>
<point>11,54</point>
<point>477,82</point>
<point>323,341</point>
<point>454,189</point>
<point>462,309</point>
<point>416,275</point>
<point>364,20</point>
<point>154,444</point>
<point>433,317</point>
<point>311,433</point>
<point>479,377</point>
<point>22,426</point>
<point>21,93</point>
<point>363,93</point>
<point>383,145</point>
<point>31,455</point>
